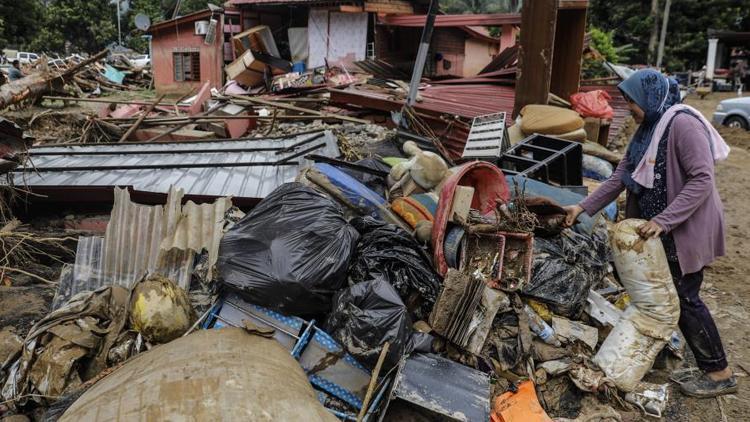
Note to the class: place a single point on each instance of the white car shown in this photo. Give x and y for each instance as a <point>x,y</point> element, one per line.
<point>142,60</point>
<point>26,58</point>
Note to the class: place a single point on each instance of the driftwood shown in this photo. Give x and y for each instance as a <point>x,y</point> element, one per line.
<point>37,84</point>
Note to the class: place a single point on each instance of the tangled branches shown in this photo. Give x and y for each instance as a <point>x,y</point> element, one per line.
<point>22,249</point>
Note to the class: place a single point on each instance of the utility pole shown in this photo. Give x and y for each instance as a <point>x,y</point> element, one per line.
<point>119,31</point>
<point>663,37</point>
<point>652,40</point>
<point>424,47</point>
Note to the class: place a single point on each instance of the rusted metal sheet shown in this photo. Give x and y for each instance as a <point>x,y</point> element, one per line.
<point>449,108</point>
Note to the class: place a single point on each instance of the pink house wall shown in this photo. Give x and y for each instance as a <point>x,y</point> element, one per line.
<point>182,38</point>
<point>478,54</point>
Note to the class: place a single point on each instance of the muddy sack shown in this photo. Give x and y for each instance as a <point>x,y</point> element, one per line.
<point>565,267</point>
<point>160,310</point>
<point>291,253</point>
<point>630,349</point>
<point>367,315</point>
<point>390,253</point>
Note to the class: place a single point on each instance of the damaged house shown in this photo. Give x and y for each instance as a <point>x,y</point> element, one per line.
<point>252,40</point>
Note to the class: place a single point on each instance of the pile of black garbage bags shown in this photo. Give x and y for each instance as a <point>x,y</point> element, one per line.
<point>296,253</point>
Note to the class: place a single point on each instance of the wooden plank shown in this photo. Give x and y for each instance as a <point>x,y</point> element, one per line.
<point>568,53</point>
<point>392,7</point>
<point>572,4</point>
<point>535,53</point>
<point>346,8</point>
<point>284,106</point>
<point>373,381</point>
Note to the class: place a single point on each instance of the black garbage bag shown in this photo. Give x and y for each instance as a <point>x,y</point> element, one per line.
<point>376,183</point>
<point>291,253</point>
<point>565,267</point>
<point>367,315</point>
<point>389,252</point>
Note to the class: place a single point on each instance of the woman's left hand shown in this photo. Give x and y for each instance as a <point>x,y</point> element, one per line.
<point>649,230</point>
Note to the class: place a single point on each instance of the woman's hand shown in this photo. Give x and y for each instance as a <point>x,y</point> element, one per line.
<point>572,212</point>
<point>649,230</point>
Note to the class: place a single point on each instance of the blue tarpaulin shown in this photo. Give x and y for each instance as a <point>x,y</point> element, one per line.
<point>113,74</point>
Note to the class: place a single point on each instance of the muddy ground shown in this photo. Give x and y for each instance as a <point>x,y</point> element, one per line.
<point>726,290</point>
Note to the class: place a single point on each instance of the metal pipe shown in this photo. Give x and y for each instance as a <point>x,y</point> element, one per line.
<point>424,46</point>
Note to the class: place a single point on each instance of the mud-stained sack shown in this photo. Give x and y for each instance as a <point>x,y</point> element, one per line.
<point>647,324</point>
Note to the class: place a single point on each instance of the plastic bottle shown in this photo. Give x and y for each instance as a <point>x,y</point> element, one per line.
<point>541,328</point>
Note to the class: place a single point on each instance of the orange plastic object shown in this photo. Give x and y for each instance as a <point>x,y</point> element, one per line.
<point>521,406</point>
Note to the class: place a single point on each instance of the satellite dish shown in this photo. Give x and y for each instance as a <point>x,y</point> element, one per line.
<point>142,22</point>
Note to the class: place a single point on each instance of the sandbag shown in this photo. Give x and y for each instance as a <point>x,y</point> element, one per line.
<point>367,315</point>
<point>387,252</point>
<point>291,253</point>
<point>647,324</point>
<point>219,375</point>
<point>549,120</point>
<point>160,310</point>
<point>593,104</point>
<point>565,267</point>
<point>596,168</point>
<point>626,355</point>
<point>643,270</point>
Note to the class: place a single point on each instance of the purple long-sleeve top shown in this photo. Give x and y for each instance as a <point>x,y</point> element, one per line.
<point>694,214</point>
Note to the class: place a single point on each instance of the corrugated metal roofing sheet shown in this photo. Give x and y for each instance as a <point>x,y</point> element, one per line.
<point>465,101</point>
<point>238,168</point>
<point>145,239</point>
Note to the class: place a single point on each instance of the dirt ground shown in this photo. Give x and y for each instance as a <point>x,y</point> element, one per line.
<point>725,290</point>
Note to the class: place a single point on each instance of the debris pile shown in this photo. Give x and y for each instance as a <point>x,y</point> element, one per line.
<point>389,255</point>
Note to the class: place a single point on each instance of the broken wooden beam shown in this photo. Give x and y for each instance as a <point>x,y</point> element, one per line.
<point>137,123</point>
<point>298,109</point>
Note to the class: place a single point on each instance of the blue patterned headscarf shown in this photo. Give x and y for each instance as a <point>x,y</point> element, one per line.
<point>654,93</point>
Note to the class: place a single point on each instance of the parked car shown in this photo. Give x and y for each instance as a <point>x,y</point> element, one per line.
<point>24,57</point>
<point>141,60</point>
<point>57,64</point>
<point>734,112</point>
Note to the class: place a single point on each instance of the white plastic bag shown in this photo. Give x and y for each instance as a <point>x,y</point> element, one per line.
<point>645,327</point>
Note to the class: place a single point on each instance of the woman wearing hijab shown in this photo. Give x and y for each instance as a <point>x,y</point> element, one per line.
<point>668,172</point>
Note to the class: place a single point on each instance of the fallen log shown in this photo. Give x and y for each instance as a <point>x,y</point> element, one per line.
<point>37,84</point>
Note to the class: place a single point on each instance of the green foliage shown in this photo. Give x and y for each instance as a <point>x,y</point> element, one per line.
<point>134,38</point>
<point>75,26</point>
<point>19,20</point>
<point>480,6</point>
<point>689,21</point>
<point>602,42</point>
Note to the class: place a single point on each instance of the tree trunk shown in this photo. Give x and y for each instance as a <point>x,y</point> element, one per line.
<point>663,37</point>
<point>38,84</point>
<point>652,40</point>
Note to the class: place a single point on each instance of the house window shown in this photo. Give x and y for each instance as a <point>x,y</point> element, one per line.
<point>187,66</point>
